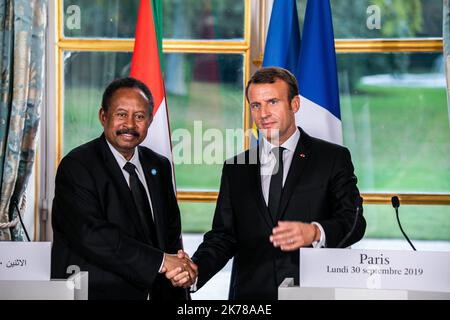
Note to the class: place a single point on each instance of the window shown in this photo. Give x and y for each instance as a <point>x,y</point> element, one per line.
<point>393,98</point>
<point>394,111</point>
<point>206,64</point>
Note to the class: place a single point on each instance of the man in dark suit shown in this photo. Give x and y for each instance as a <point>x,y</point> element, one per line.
<point>115,214</point>
<point>292,191</point>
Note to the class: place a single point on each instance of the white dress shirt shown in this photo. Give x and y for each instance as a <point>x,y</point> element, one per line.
<point>268,162</point>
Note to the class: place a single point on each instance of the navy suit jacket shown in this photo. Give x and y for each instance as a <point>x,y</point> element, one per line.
<point>96,227</point>
<point>320,186</point>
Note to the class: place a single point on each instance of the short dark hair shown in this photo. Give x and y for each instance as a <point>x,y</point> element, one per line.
<point>272,74</point>
<point>127,82</point>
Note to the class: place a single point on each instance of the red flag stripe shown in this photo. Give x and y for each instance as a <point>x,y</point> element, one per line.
<point>145,64</point>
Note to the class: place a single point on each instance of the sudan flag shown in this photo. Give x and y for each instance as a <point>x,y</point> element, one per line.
<point>146,66</point>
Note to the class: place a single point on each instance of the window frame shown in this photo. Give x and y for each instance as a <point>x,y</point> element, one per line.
<point>257,16</point>
<point>63,44</point>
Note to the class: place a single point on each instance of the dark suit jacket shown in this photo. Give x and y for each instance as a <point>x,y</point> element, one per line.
<point>96,226</point>
<point>320,186</point>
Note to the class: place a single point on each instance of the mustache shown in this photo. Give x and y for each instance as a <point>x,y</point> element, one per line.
<point>127,131</point>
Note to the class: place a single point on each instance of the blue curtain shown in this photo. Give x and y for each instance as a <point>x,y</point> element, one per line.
<point>22,52</point>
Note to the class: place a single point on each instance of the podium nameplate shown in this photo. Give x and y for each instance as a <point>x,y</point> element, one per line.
<point>375,269</point>
<point>24,260</point>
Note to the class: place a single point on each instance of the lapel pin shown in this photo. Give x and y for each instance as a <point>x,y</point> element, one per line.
<point>302,155</point>
<point>153,172</point>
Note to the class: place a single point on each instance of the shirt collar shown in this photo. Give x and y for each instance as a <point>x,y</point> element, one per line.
<point>290,144</point>
<point>121,159</point>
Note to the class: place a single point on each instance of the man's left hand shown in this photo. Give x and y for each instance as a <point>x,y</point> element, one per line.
<point>292,235</point>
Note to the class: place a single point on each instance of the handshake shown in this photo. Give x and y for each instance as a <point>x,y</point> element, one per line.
<point>180,269</point>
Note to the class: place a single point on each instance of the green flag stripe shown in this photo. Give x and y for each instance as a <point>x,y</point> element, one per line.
<point>157,17</point>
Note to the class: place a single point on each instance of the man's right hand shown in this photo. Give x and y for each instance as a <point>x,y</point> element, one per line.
<point>180,276</point>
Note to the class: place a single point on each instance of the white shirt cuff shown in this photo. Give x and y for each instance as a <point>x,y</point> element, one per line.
<point>194,285</point>
<point>162,263</point>
<point>322,241</point>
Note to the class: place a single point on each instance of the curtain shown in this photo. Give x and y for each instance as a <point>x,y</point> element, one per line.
<point>22,53</point>
<point>446,36</point>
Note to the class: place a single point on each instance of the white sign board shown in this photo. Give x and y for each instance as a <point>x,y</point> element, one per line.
<point>25,260</point>
<point>375,269</point>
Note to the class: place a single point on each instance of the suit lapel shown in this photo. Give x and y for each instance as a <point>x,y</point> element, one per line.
<point>299,160</point>
<point>124,191</point>
<point>255,178</point>
<point>152,172</point>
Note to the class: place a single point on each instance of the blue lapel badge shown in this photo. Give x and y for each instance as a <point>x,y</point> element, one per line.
<point>154,172</point>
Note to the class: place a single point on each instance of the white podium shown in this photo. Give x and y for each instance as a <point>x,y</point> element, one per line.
<point>288,291</point>
<point>73,288</point>
<point>343,274</point>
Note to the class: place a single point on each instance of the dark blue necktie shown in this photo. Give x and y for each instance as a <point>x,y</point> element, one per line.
<point>276,183</point>
<point>142,203</point>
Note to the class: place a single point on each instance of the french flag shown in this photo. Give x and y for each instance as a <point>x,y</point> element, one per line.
<point>312,61</point>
